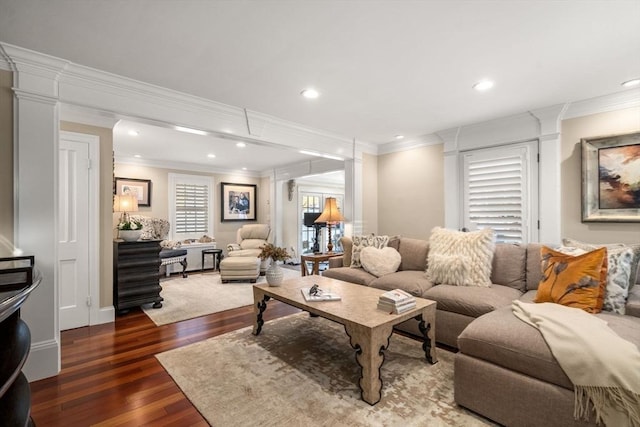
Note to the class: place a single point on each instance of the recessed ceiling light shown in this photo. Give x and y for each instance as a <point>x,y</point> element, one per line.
<point>137,156</point>
<point>134,132</point>
<point>241,145</point>
<point>399,137</point>
<point>483,85</point>
<point>631,83</point>
<point>211,156</point>
<point>244,169</point>
<point>190,130</point>
<point>310,93</point>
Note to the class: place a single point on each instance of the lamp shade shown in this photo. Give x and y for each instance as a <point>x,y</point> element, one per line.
<point>125,203</point>
<point>331,213</point>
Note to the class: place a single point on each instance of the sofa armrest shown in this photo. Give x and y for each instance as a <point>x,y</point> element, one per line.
<point>335,262</point>
<point>632,307</point>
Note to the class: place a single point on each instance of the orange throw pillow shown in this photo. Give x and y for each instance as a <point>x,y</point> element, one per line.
<point>574,281</point>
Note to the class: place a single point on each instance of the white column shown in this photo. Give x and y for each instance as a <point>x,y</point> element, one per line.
<point>35,174</point>
<point>353,194</point>
<point>549,188</point>
<point>452,187</point>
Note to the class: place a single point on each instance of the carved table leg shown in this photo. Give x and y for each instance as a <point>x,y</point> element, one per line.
<point>184,268</point>
<point>427,324</point>
<point>370,345</point>
<point>259,306</point>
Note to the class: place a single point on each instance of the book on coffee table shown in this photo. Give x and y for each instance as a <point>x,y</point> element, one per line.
<point>319,296</point>
<point>396,308</point>
<point>396,296</point>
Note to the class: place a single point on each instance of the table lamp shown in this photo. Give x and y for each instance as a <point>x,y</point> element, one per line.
<point>331,215</point>
<point>125,204</point>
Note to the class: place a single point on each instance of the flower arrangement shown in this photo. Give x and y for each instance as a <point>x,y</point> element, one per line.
<point>130,225</point>
<point>276,253</point>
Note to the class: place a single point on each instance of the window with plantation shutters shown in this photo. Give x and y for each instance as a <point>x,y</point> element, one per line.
<point>191,207</point>
<point>500,191</point>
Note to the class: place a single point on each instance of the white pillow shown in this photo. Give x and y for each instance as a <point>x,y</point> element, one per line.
<point>380,262</point>
<point>459,258</point>
<point>360,242</point>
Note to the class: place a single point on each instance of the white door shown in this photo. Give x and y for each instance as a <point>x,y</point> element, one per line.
<point>73,234</point>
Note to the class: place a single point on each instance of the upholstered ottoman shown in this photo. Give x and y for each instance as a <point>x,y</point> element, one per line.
<point>174,256</point>
<point>240,268</point>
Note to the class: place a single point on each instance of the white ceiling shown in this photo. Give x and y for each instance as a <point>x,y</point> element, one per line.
<point>382,67</point>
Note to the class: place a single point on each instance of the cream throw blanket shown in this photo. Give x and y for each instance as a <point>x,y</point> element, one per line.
<point>603,367</point>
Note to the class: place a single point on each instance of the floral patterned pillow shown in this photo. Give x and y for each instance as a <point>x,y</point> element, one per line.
<point>360,242</point>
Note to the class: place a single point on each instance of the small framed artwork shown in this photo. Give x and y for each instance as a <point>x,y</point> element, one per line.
<point>239,202</point>
<point>611,178</point>
<point>141,188</point>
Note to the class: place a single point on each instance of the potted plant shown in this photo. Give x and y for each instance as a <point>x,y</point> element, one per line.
<point>129,230</point>
<point>277,254</point>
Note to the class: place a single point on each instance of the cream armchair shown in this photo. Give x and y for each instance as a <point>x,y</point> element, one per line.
<point>250,239</point>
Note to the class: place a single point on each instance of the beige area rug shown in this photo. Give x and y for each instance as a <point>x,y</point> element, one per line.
<point>301,371</point>
<point>201,294</point>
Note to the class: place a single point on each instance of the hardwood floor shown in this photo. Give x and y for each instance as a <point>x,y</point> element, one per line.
<point>110,376</point>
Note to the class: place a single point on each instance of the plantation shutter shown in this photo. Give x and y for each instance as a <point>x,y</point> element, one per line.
<point>190,211</point>
<point>497,192</point>
<point>192,208</point>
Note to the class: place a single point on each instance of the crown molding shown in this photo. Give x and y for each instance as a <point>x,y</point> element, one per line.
<point>89,88</point>
<point>410,143</point>
<point>616,101</point>
<point>311,167</point>
<point>265,127</point>
<point>184,166</point>
<point>33,73</point>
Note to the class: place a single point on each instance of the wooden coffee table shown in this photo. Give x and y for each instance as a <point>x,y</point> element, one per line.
<point>368,328</point>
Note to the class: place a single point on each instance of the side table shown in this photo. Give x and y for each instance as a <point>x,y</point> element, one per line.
<point>315,260</point>
<point>217,256</point>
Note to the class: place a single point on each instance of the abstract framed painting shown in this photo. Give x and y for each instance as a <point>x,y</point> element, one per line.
<point>611,178</point>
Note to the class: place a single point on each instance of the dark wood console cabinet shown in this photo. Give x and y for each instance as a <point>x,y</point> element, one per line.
<point>136,274</point>
<point>16,283</point>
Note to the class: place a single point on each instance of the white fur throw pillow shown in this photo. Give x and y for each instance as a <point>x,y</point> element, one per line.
<point>360,242</point>
<point>459,258</point>
<point>380,262</point>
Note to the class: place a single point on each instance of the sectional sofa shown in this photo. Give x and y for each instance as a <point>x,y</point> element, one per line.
<point>503,368</point>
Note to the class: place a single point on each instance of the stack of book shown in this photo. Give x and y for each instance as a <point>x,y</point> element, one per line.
<point>396,301</point>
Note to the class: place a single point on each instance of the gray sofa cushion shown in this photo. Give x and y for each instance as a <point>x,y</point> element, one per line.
<point>471,300</point>
<point>501,338</point>
<point>509,266</point>
<point>411,281</point>
<point>414,254</point>
<point>348,274</point>
<point>528,296</point>
<point>633,301</point>
<point>534,270</point>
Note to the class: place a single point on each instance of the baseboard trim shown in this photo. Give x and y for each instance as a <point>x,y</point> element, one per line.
<point>43,361</point>
<point>103,315</point>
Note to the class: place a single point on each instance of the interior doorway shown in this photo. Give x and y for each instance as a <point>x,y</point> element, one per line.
<point>78,213</point>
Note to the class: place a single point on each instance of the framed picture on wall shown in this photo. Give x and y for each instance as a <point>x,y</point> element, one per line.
<point>238,202</point>
<point>141,188</point>
<point>611,178</point>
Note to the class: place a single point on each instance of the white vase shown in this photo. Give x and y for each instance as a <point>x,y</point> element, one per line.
<point>129,235</point>
<point>274,274</point>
